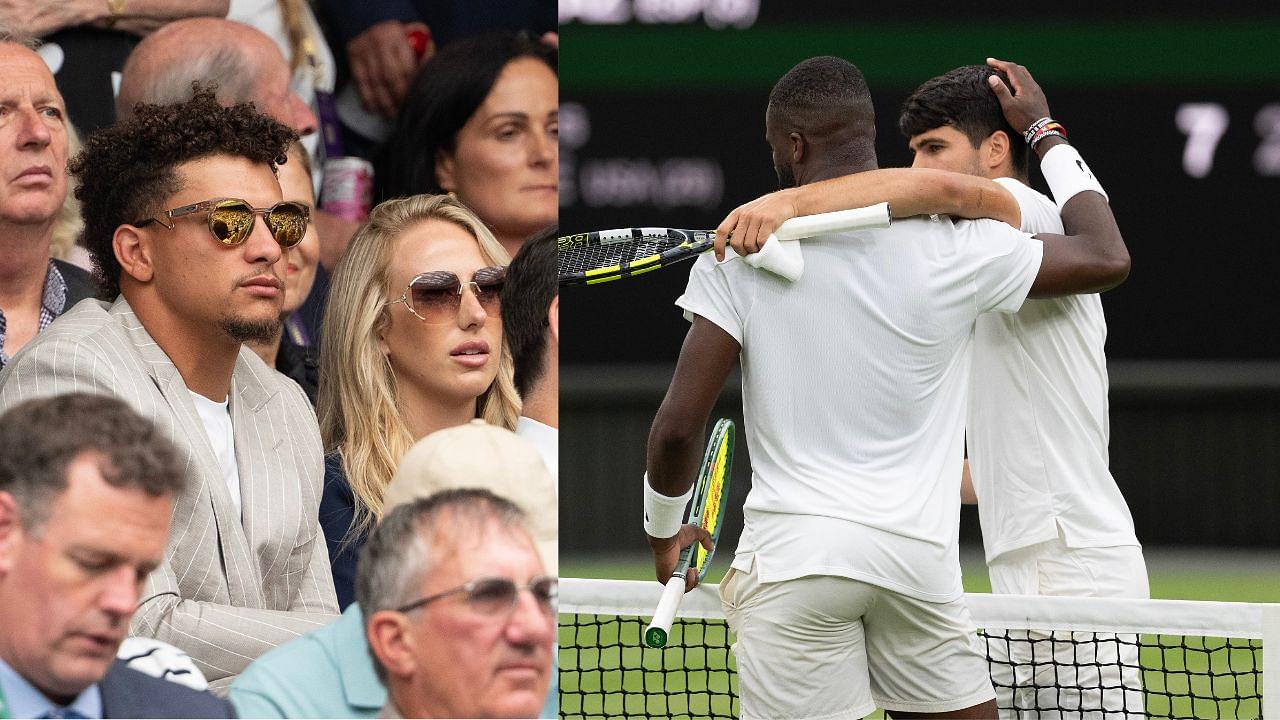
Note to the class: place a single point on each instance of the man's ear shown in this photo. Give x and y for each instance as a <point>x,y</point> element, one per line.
<point>553,319</point>
<point>10,531</point>
<point>996,150</point>
<point>799,148</point>
<point>134,253</point>
<point>391,642</point>
<point>446,166</point>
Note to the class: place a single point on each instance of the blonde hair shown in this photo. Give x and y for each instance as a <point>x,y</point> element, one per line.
<point>69,226</point>
<point>357,404</point>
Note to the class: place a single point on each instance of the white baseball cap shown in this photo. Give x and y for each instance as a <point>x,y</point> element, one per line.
<point>480,455</point>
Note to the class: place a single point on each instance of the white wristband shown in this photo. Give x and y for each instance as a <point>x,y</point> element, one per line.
<point>663,514</point>
<point>1067,175</point>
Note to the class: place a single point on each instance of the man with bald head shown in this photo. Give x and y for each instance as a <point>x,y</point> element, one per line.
<point>33,158</point>
<point>242,61</point>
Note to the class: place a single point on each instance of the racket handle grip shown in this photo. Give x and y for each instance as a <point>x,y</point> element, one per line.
<point>655,636</point>
<point>780,253</point>
<point>863,218</point>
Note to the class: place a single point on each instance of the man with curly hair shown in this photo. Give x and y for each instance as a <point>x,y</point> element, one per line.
<point>184,220</point>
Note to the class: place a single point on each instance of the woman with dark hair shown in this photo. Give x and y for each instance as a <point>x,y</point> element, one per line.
<point>481,123</point>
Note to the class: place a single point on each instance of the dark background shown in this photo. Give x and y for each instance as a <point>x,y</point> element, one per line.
<point>663,125</point>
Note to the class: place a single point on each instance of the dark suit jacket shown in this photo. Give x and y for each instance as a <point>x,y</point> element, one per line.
<point>337,513</point>
<point>127,693</point>
<point>79,283</point>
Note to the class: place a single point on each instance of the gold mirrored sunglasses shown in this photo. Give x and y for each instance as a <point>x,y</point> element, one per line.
<point>231,220</point>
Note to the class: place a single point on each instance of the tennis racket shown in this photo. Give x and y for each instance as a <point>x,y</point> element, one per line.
<point>710,498</point>
<point>606,255</point>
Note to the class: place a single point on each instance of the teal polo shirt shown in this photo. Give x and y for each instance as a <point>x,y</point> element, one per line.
<point>324,674</point>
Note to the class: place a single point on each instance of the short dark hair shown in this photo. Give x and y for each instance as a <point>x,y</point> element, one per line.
<point>399,553</point>
<point>531,286</point>
<point>829,98</point>
<point>962,99</point>
<point>128,170</point>
<point>820,82</point>
<point>40,438</point>
<point>445,93</point>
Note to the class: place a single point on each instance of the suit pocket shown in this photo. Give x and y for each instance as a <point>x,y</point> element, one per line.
<point>300,557</point>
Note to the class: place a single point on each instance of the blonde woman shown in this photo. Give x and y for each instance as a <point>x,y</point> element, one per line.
<point>413,344</point>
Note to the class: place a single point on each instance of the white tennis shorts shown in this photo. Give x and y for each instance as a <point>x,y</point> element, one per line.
<point>1092,676</point>
<point>830,647</point>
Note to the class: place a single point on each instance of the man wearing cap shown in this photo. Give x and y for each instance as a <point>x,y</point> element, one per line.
<point>330,673</point>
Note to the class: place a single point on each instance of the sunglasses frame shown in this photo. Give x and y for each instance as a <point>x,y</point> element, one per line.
<point>476,289</point>
<point>213,204</point>
<point>472,585</point>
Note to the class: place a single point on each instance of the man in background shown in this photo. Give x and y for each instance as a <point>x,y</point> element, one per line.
<point>531,324</point>
<point>34,289</point>
<point>87,488</point>
<point>460,610</point>
<point>330,672</point>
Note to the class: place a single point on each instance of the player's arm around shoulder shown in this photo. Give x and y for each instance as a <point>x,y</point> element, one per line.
<point>1091,256</point>
<point>909,192</point>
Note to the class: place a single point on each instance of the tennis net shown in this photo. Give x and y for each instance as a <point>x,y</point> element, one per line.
<point>1048,656</point>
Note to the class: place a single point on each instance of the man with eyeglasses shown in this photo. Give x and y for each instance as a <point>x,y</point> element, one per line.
<point>185,223</point>
<point>477,642</point>
<point>331,672</point>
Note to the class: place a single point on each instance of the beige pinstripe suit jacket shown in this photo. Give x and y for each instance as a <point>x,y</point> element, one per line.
<point>233,585</point>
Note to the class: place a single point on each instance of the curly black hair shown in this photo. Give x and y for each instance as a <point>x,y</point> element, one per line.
<point>128,170</point>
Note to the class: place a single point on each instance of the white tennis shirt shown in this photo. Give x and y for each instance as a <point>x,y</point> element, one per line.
<point>1038,418</point>
<point>855,381</point>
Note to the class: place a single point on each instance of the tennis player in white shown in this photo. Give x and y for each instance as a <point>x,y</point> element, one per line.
<point>845,589</point>
<point>1053,520</point>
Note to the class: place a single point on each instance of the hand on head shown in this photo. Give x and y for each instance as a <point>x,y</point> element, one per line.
<point>1026,103</point>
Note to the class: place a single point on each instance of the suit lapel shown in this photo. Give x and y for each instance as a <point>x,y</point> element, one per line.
<point>255,409</point>
<point>210,493</point>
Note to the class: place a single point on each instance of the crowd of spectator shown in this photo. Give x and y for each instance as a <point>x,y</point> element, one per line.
<point>259,457</point>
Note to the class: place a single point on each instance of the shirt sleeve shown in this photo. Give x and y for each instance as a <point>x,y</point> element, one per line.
<point>709,294</point>
<point>1006,264</point>
<point>1039,214</point>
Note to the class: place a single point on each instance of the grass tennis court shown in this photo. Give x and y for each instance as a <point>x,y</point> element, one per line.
<point>1240,577</point>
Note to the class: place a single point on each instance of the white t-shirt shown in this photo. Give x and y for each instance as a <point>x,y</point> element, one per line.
<point>546,439</point>
<point>1038,421</point>
<point>216,419</point>
<point>855,381</point>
